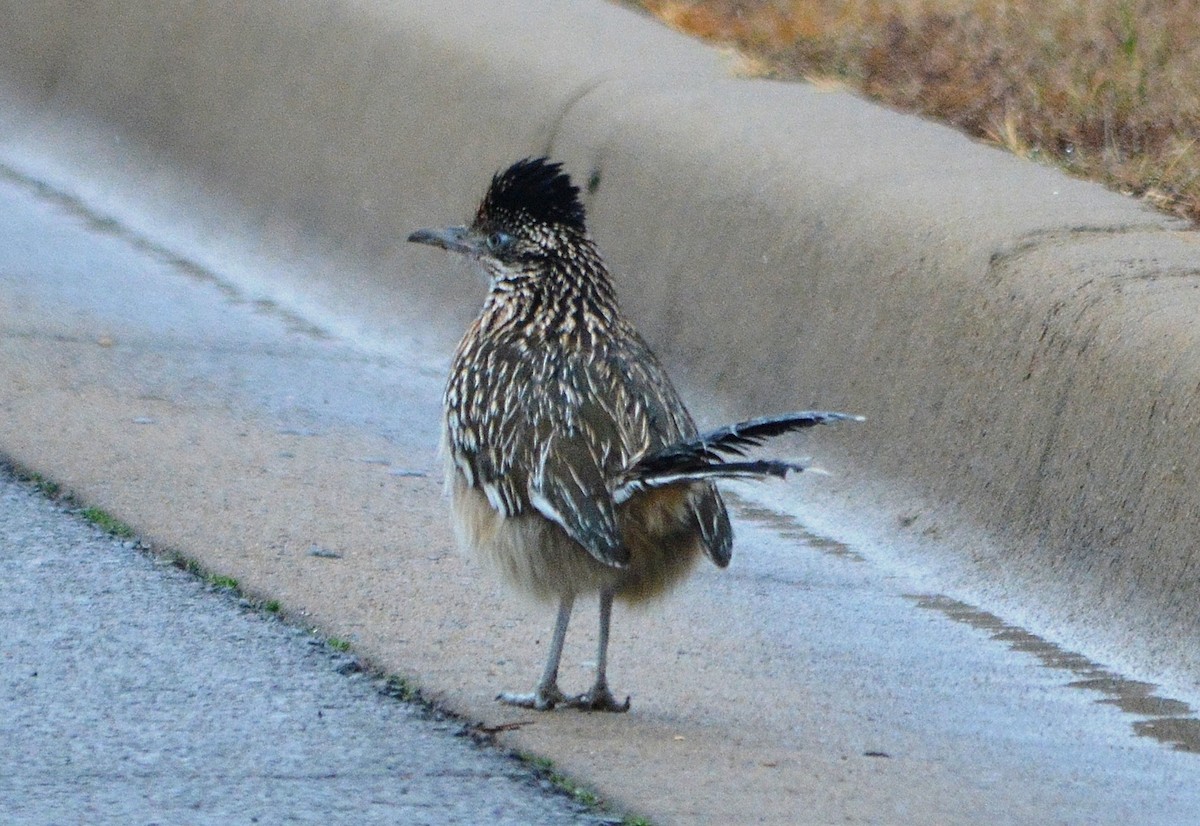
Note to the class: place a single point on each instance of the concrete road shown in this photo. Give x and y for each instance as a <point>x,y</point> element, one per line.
<point>812,682</point>
<point>131,693</point>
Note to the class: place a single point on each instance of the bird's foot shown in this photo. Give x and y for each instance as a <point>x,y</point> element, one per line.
<point>599,698</point>
<point>542,698</point>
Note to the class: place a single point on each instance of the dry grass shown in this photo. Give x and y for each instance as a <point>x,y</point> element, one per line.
<point>1108,89</point>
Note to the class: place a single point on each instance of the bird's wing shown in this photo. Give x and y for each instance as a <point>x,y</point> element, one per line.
<point>569,484</point>
<point>542,434</point>
<point>554,436</point>
<point>668,423</point>
<point>713,521</point>
<point>611,407</point>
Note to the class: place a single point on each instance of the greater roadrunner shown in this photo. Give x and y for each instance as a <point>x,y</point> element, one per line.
<point>572,463</point>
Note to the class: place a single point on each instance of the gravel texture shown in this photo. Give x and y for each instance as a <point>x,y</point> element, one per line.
<point>132,692</point>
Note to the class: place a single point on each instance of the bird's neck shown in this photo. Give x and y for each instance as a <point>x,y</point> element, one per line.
<point>567,298</point>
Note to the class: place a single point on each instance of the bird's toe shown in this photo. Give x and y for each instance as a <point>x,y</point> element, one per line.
<point>543,698</point>
<point>598,699</point>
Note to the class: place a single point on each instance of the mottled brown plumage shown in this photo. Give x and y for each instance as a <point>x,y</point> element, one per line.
<point>572,464</point>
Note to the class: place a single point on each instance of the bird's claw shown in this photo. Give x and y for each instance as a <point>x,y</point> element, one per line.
<point>543,698</point>
<point>546,698</point>
<point>598,699</point>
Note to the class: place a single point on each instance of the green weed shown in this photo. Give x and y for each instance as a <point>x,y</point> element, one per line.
<point>107,522</point>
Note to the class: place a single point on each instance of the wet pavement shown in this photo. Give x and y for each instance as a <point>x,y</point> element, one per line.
<point>812,682</point>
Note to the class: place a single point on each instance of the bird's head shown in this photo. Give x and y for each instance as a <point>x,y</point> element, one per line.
<point>530,216</point>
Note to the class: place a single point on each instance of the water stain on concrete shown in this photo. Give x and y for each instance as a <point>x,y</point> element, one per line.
<point>107,225</point>
<point>789,528</point>
<point>1171,722</point>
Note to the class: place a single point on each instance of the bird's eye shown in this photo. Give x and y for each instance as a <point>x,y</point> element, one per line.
<point>499,241</point>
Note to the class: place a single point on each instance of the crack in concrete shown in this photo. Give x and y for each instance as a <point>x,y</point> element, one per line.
<point>568,106</point>
<point>1035,241</point>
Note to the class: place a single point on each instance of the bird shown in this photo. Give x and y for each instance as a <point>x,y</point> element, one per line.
<point>572,464</point>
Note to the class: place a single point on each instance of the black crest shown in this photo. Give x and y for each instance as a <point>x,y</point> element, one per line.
<point>532,190</point>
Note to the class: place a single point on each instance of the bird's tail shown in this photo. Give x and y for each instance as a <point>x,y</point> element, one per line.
<point>708,456</point>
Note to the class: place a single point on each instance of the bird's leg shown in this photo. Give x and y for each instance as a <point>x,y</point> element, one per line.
<point>599,698</point>
<point>547,693</point>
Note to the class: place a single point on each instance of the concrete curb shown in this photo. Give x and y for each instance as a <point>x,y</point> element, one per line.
<point>1023,344</point>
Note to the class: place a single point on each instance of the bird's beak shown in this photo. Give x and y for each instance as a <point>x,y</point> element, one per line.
<point>454,239</point>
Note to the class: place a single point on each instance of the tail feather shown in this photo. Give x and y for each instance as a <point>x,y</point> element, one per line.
<point>724,470</point>
<point>732,440</point>
<point>705,457</point>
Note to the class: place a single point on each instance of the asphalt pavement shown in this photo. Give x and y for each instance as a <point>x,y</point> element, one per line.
<point>132,692</point>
